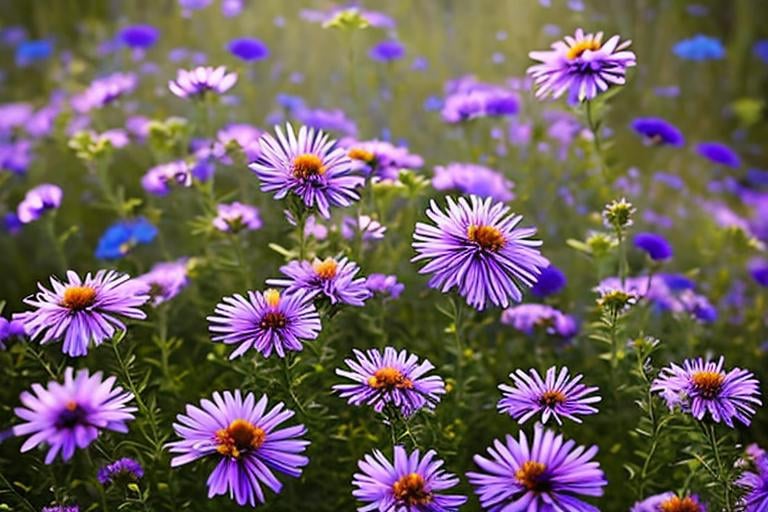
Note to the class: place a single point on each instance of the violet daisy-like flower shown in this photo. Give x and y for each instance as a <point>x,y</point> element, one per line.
<point>476,247</point>
<point>332,278</point>
<point>39,200</point>
<point>308,165</point>
<point>159,179</point>
<point>700,387</point>
<point>755,484</point>
<point>72,414</point>
<point>473,179</point>
<point>83,311</point>
<point>411,483</point>
<point>266,322</point>
<point>669,502</point>
<point>363,227</point>
<point>527,318</point>
<point>195,83</point>
<point>246,440</point>
<point>235,217</point>
<point>10,329</point>
<point>395,378</point>
<point>558,394</point>
<point>658,131</point>
<point>122,470</point>
<point>547,474</point>
<point>582,65</point>
<point>165,280</point>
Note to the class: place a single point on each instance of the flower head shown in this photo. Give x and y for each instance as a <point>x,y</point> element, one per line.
<point>755,481</point>
<point>386,285</point>
<point>477,247</point>
<point>165,280</point>
<point>39,200</point>
<point>618,214</point>
<point>582,65</point>
<point>669,502</point>
<point>363,227</point>
<point>558,394</point>
<point>546,474</point>
<point>656,246</point>
<point>104,91</point>
<point>248,49</point>
<point>10,329</point>
<point>700,387</point>
<point>411,483</point>
<point>699,48</point>
<point>267,322</point>
<point>308,165</point>
<point>473,179</point>
<point>392,377</point>
<point>387,51</point>
<point>83,311</point>
<point>235,217</point>
<point>124,235</point>
<point>72,414</point>
<point>246,440</point>
<point>243,135</point>
<point>381,158</point>
<point>719,153</point>
<point>139,36</point>
<point>331,277</point>
<point>122,470</point>
<point>551,281</point>
<point>526,318</point>
<point>197,82</point>
<point>159,179</point>
<point>658,131</point>
<point>61,508</point>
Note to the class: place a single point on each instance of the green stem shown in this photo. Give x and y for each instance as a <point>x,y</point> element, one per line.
<point>39,358</point>
<point>457,308</point>
<point>724,479</point>
<point>287,373</point>
<point>58,251</point>
<point>623,263</point>
<point>595,129</point>
<point>21,499</point>
<point>237,245</point>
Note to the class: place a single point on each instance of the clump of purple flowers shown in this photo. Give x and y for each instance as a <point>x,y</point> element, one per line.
<point>122,470</point>
<point>473,179</point>
<point>527,318</point>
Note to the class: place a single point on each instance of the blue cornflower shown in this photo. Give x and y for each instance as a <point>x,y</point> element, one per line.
<point>123,236</point>
<point>139,36</point>
<point>656,246</point>
<point>33,51</point>
<point>700,47</point>
<point>719,153</point>
<point>387,51</point>
<point>658,131</point>
<point>248,49</point>
<point>550,281</point>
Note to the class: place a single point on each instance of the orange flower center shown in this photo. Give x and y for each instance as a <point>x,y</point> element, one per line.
<point>487,237</point>
<point>551,398</point>
<point>325,269</point>
<point>410,490</point>
<point>238,438</point>
<point>676,504</point>
<point>580,47</point>
<point>389,378</point>
<point>708,384</point>
<point>307,165</point>
<point>530,476</point>
<point>362,155</point>
<point>78,298</point>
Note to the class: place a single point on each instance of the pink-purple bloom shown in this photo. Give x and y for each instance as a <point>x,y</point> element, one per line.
<point>381,158</point>
<point>165,280</point>
<point>122,470</point>
<point>104,91</point>
<point>244,135</point>
<point>363,227</point>
<point>527,318</point>
<point>669,501</point>
<point>333,278</point>
<point>411,483</point>
<point>235,217</point>
<point>391,378</point>
<point>10,329</point>
<point>754,482</point>
<point>159,179</point>
<point>544,475</point>
<point>386,285</point>
<point>473,179</point>
<point>195,83</point>
<point>72,414</point>
<point>247,440</point>
<point>83,311</point>
<point>39,200</point>
<point>477,247</point>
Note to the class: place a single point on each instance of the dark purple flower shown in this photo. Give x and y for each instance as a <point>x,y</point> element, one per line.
<point>547,474</point>
<point>656,246</point>
<point>248,49</point>
<point>719,154</point>
<point>387,51</point>
<point>235,217</point>
<point>11,223</point>
<point>526,318</point>
<point>165,280</point>
<point>473,179</point>
<point>122,470</point>
<point>758,269</point>
<point>195,83</point>
<point>333,278</point>
<point>669,502</point>
<point>390,378</point>
<point>15,156</point>
<point>10,329</point>
<point>551,280</point>
<point>72,414</point>
<point>658,131</point>
<point>387,285</point>
<point>246,440</point>
<point>39,200</point>
<point>139,36</point>
<point>412,483</point>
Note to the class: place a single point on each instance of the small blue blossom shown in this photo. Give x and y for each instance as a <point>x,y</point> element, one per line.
<point>387,51</point>
<point>123,236</point>
<point>699,48</point>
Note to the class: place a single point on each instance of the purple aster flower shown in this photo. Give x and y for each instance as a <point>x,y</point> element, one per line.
<point>758,269</point>
<point>265,322</point>
<point>248,49</point>
<point>195,83</point>
<point>658,131</point>
<point>244,437</point>
<point>669,502</point>
<point>11,223</point>
<point>15,156</point>
<point>392,378</point>
<point>331,277</point>
<point>61,508</point>
<point>387,51</point>
<point>381,158</point>
<point>244,135</point>
<point>159,179</point>
<point>656,246</point>
<point>310,166</point>
<point>82,311</point>
<point>39,200</point>
<point>139,36</point>
<point>547,474</point>
<point>411,483</point>
<point>699,48</point>
<point>526,318</point>
<point>558,394</point>
<point>473,179</point>
<point>13,115</point>
<point>10,329</point>
<point>72,414</point>
<point>364,226</point>
<point>581,65</point>
<point>122,470</point>
<point>234,217</point>
<point>551,280</point>
<point>165,280</point>
<point>719,154</point>
<point>699,387</point>
<point>477,247</point>
<point>381,284</point>
<point>104,91</point>
<point>755,482</point>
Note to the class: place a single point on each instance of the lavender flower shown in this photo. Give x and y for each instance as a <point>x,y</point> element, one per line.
<point>387,51</point>
<point>197,82</point>
<point>412,483</point>
<point>381,284</point>
<point>392,378</point>
<point>364,227</point>
<point>72,414</point>
<point>122,470</point>
<point>244,135</point>
<point>10,330</point>
<point>244,437</point>
<point>332,278</point>
<point>39,200</point>
<point>473,179</point>
<point>380,158</point>
<point>165,280</point>
<point>477,247</point>
<point>158,180</point>
<point>755,482</point>
<point>235,217</point>
<point>526,318</point>
<point>104,91</point>
<point>669,502</point>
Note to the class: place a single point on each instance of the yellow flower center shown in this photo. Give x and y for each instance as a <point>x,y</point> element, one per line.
<point>362,155</point>
<point>272,297</point>
<point>676,504</point>
<point>410,490</point>
<point>552,398</point>
<point>389,378</point>
<point>307,165</point>
<point>325,269</point>
<point>580,47</point>
<point>239,437</point>
<point>530,476</point>
<point>708,384</point>
<point>487,237</point>
<point>78,298</point>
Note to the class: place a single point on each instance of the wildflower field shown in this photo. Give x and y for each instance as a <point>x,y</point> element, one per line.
<point>383,256</point>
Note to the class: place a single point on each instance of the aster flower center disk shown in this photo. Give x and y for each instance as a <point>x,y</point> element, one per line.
<point>361,155</point>
<point>326,269</point>
<point>78,298</point>
<point>307,166</point>
<point>239,437</point>
<point>531,476</point>
<point>410,490</point>
<point>676,504</point>
<point>487,237</point>
<point>708,384</point>
<point>71,416</point>
<point>389,378</point>
<point>575,51</point>
<point>552,398</point>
